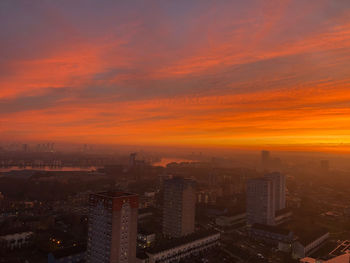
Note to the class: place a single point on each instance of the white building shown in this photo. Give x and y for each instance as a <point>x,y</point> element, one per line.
<point>16,240</point>
<point>176,249</point>
<point>308,243</point>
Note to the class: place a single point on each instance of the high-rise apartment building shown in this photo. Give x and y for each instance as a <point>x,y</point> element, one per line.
<point>280,189</point>
<point>179,202</point>
<point>265,196</point>
<point>112,228</point>
<point>260,201</point>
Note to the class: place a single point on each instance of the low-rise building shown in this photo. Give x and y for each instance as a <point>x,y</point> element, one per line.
<point>18,240</point>
<point>144,213</point>
<point>231,219</point>
<point>345,258</point>
<point>174,250</point>
<point>309,241</point>
<point>145,238</point>
<point>281,238</point>
<point>75,254</point>
<point>141,257</point>
<point>283,215</point>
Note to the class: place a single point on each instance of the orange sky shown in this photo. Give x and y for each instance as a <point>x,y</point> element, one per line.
<point>272,74</point>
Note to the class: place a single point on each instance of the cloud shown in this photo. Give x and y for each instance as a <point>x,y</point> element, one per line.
<point>159,72</point>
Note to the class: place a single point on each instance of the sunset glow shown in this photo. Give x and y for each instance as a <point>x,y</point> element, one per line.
<point>245,74</point>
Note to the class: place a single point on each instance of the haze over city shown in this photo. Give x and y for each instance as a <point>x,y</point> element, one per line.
<point>188,131</point>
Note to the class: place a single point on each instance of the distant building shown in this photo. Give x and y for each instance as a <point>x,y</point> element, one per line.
<point>208,196</point>
<point>179,207</point>
<point>281,238</point>
<point>16,240</point>
<point>145,213</point>
<point>112,227</point>
<point>265,159</point>
<point>75,254</point>
<point>261,201</point>
<point>141,257</point>
<point>147,200</point>
<point>174,250</point>
<point>340,254</point>
<point>25,148</point>
<point>231,220</point>
<point>145,238</point>
<point>132,160</point>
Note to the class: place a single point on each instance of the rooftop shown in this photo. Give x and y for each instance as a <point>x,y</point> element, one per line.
<point>179,179</point>
<point>283,211</point>
<point>14,231</point>
<point>114,194</point>
<point>145,231</point>
<point>65,252</point>
<point>309,235</point>
<point>141,255</point>
<point>175,242</point>
<point>259,179</point>
<point>272,229</point>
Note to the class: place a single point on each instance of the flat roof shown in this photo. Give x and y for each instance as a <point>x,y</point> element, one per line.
<point>283,211</point>
<point>114,194</point>
<point>5,231</point>
<point>168,244</point>
<point>310,234</point>
<point>272,229</point>
<point>260,179</point>
<point>69,251</point>
<point>141,255</point>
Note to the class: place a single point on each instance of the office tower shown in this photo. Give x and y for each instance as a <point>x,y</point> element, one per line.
<point>112,228</point>
<point>178,207</point>
<point>260,201</point>
<point>280,189</point>
<point>265,159</point>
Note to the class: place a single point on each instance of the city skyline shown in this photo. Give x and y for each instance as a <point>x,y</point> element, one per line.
<point>252,75</point>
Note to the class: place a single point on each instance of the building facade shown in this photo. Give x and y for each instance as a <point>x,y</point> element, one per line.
<point>280,189</point>
<point>281,238</point>
<point>260,201</point>
<point>13,241</point>
<point>75,254</point>
<point>112,228</point>
<point>179,202</point>
<point>181,248</point>
<point>345,258</point>
<point>307,245</point>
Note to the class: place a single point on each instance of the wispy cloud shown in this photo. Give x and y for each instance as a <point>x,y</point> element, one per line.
<point>160,72</point>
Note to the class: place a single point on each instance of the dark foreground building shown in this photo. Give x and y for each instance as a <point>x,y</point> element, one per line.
<point>112,228</point>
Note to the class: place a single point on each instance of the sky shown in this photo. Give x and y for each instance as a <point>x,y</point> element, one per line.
<point>250,74</point>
